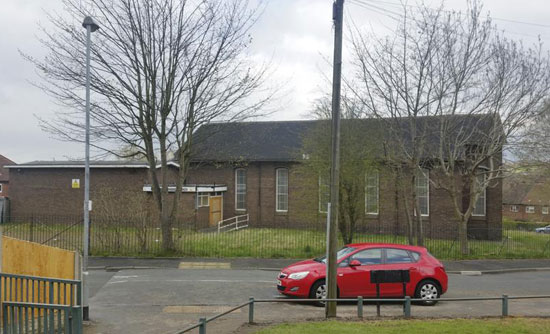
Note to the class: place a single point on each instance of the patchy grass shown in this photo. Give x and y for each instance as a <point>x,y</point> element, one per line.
<point>115,240</point>
<point>444,326</point>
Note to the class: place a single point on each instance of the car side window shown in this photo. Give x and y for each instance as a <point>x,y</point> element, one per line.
<point>394,255</point>
<point>415,256</point>
<point>368,256</point>
<point>344,263</point>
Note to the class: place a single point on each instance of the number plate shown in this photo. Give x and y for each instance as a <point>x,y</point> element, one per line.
<point>279,282</point>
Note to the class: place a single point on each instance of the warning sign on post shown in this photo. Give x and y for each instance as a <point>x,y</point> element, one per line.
<point>75,183</point>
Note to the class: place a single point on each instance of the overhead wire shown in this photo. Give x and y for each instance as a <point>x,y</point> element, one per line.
<point>400,5</point>
<point>369,5</point>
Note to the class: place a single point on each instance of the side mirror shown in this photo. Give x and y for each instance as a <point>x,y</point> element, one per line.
<point>354,263</point>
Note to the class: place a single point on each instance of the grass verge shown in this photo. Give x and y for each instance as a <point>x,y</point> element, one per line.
<point>439,326</point>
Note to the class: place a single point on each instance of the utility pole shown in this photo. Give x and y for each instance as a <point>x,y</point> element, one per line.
<point>332,292</point>
<point>90,26</point>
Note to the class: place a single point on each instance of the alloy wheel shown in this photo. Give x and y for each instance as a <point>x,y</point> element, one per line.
<point>428,291</point>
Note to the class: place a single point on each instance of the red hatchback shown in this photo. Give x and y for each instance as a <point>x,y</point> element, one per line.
<point>428,280</point>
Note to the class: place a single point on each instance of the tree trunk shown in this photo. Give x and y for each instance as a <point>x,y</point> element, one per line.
<point>463,236</point>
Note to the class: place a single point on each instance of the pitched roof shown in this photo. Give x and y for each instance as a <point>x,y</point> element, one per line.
<point>283,140</point>
<point>4,172</point>
<point>527,188</point>
<point>250,141</point>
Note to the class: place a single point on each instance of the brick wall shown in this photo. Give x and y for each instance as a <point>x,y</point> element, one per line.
<point>48,191</point>
<point>5,188</point>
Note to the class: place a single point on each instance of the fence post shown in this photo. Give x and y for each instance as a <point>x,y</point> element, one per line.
<point>31,230</point>
<point>251,310</point>
<point>504,305</point>
<point>360,307</point>
<point>202,326</point>
<point>407,307</point>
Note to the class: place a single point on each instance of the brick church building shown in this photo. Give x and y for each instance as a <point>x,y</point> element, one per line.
<point>238,168</point>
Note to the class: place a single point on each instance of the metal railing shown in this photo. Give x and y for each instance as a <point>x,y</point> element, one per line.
<point>407,306</point>
<point>234,226</point>
<point>19,318</point>
<point>142,236</point>
<point>41,290</point>
<point>29,302</point>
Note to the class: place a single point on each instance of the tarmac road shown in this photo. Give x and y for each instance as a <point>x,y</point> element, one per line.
<point>167,299</point>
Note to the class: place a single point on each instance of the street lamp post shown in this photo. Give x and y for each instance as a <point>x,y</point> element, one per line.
<point>90,26</point>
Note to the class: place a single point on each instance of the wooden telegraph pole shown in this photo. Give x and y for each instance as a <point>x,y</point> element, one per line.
<point>338,17</point>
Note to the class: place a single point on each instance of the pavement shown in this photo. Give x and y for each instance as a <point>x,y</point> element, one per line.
<point>165,295</point>
<point>454,267</point>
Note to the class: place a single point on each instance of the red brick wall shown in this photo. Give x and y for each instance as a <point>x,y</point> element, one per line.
<point>49,192</point>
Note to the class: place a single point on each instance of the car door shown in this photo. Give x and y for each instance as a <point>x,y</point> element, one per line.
<point>355,281</point>
<point>396,259</point>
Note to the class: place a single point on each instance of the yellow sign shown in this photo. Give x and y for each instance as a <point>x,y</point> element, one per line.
<point>76,183</point>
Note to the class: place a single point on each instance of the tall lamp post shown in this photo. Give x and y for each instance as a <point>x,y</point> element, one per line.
<point>90,26</point>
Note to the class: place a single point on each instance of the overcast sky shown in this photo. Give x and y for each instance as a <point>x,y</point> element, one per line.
<point>295,34</point>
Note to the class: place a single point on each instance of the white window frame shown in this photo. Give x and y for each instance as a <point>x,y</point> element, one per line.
<point>277,194</point>
<point>424,172</point>
<point>327,187</point>
<point>200,197</point>
<point>527,209</point>
<point>237,193</point>
<point>376,175</point>
<point>480,197</point>
<point>514,208</point>
<point>545,210</point>
<point>1,187</point>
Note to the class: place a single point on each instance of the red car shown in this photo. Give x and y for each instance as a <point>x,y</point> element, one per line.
<point>428,279</point>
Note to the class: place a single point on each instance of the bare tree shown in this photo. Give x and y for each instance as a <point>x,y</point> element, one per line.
<point>532,147</point>
<point>160,69</point>
<point>471,88</point>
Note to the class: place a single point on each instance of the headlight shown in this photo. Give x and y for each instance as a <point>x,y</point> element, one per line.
<point>299,275</point>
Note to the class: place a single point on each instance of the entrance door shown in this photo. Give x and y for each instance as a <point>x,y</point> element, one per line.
<point>216,210</point>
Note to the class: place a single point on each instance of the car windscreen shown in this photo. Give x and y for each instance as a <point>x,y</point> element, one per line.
<point>341,254</point>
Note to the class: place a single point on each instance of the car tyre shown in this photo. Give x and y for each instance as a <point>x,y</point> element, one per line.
<point>429,291</point>
<point>318,292</point>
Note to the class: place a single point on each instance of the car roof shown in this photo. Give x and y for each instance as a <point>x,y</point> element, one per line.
<point>362,245</point>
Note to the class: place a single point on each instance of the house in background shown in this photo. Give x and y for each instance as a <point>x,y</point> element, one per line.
<point>4,188</point>
<point>241,168</point>
<point>526,197</point>
<point>4,175</point>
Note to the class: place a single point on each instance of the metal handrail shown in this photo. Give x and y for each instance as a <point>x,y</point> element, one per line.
<point>236,223</point>
<point>407,302</point>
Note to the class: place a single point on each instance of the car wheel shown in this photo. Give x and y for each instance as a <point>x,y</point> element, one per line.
<point>429,291</point>
<point>319,292</point>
